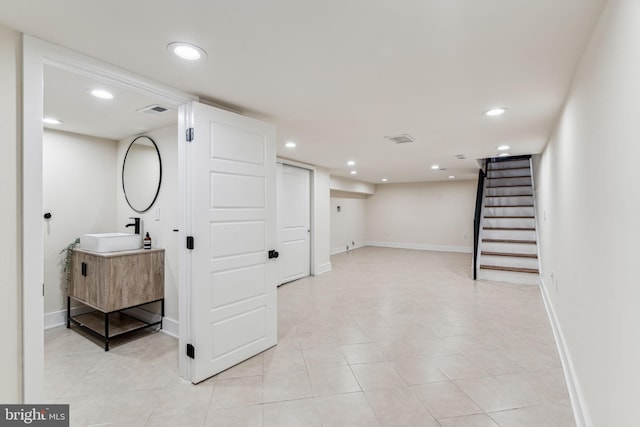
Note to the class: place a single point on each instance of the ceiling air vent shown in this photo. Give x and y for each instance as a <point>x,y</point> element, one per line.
<point>400,139</point>
<point>153,109</point>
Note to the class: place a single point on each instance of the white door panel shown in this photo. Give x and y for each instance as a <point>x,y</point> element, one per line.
<point>235,167</point>
<point>229,179</point>
<point>294,222</point>
<point>237,238</point>
<point>241,145</point>
<point>234,333</point>
<point>237,191</point>
<point>236,285</point>
<point>295,254</point>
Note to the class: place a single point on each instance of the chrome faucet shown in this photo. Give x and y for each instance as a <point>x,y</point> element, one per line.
<point>135,224</point>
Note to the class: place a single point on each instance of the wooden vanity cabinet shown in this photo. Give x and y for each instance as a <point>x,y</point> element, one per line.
<point>114,281</point>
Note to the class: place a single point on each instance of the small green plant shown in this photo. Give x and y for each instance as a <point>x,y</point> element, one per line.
<point>65,260</point>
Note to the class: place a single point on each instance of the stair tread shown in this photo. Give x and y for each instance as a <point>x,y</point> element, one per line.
<point>508,206</point>
<point>515,195</point>
<point>527,242</point>
<point>508,176</point>
<point>507,186</point>
<point>508,169</point>
<point>508,254</point>
<point>507,216</point>
<point>510,228</point>
<point>514,269</point>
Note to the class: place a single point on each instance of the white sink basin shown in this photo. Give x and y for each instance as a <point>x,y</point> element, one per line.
<point>110,242</point>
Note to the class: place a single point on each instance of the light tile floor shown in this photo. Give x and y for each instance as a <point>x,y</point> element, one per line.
<point>390,337</point>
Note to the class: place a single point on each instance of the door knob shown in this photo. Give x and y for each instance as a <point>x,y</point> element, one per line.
<point>273,254</point>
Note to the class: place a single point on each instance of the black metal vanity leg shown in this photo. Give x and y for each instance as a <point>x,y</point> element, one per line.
<point>162,314</point>
<point>106,332</point>
<point>68,312</point>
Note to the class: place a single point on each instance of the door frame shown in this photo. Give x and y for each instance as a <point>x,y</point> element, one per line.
<point>312,210</point>
<point>36,54</point>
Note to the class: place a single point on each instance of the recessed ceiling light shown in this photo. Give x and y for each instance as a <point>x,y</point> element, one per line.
<point>102,94</point>
<point>353,172</point>
<point>187,51</point>
<point>504,155</point>
<point>384,180</point>
<point>52,121</point>
<point>495,112</point>
<point>290,144</point>
<point>502,148</point>
<point>452,176</point>
<point>351,163</point>
<point>435,167</point>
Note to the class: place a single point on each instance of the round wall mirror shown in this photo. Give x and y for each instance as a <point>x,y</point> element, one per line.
<point>142,173</point>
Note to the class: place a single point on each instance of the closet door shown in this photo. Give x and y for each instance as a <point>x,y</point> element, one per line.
<point>294,218</point>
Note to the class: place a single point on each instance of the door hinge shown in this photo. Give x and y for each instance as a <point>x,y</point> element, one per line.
<point>190,242</point>
<point>43,289</point>
<point>190,135</point>
<point>191,351</point>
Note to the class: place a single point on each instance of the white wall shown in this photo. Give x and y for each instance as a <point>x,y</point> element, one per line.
<point>339,183</point>
<point>161,230</point>
<point>426,215</point>
<point>321,222</point>
<point>588,208</point>
<point>348,227</point>
<point>10,217</point>
<point>79,176</point>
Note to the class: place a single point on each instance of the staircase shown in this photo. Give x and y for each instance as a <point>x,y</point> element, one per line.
<point>508,249</point>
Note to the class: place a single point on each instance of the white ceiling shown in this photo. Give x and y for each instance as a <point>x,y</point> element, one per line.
<point>67,97</point>
<point>336,76</point>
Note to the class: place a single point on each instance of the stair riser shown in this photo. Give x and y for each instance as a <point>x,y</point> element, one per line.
<point>504,261</point>
<point>508,173</point>
<point>509,222</point>
<point>509,191</point>
<point>509,211</point>
<point>509,276</point>
<point>509,164</point>
<point>510,201</point>
<point>508,181</point>
<point>509,234</point>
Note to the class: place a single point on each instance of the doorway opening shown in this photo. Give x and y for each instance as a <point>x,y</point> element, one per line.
<point>42,60</point>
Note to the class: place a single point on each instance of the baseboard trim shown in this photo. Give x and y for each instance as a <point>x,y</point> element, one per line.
<point>576,396</point>
<point>171,327</point>
<point>336,251</point>
<point>422,247</point>
<point>322,268</point>
<point>59,318</point>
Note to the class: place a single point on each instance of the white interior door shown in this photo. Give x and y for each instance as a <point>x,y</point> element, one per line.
<point>294,214</point>
<point>228,176</point>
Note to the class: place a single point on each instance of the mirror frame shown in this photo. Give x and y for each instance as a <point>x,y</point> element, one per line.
<point>124,162</point>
